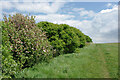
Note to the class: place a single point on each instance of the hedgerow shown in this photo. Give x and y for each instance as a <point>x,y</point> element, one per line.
<point>63,37</point>
<point>25,43</point>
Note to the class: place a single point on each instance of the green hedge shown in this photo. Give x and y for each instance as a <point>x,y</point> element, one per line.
<point>63,37</point>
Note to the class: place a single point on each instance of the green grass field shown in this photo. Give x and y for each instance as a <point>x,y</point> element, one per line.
<point>92,61</point>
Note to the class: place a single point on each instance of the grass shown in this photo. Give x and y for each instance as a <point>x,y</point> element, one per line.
<point>92,61</point>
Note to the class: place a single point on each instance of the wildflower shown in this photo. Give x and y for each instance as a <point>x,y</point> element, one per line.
<point>44,50</point>
<point>18,53</point>
<point>27,51</point>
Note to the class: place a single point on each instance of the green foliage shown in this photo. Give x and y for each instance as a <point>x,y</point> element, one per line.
<point>70,38</point>
<point>88,39</point>
<point>81,36</point>
<point>63,38</point>
<point>9,66</point>
<point>26,43</point>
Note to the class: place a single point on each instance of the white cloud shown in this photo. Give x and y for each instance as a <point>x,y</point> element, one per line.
<point>104,26</point>
<point>56,18</point>
<point>40,7</point>
<point>109,5</point>
<point>87,13</point>
<point>37,7</point>
<point>115,7</point>
<point>82,12</point>
<point>6,5</point>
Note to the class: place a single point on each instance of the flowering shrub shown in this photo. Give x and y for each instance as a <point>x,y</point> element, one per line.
<point>25,42</point>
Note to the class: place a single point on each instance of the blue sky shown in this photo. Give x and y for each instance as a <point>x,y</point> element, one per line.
<point>96,19</point>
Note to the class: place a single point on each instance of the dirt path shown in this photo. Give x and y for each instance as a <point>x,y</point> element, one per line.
<point>105,70</point>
